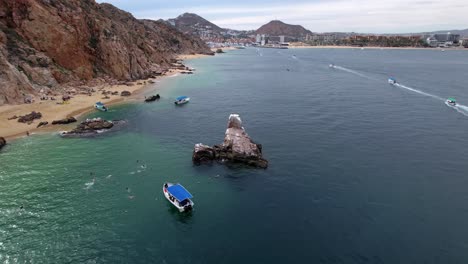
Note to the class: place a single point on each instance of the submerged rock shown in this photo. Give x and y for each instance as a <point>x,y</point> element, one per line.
<point>2,142</point>
<point>65,121</point>
<point>152,98</point>
<point>30,117</point>
<point>92,127</point>
<point>237,147</point>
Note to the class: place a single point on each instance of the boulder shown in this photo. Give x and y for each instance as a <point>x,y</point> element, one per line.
<point>13,117</point>
<point>30,117</point>
<point>93,127</point>
<point>2,142</point>
<point>125,93</point>
<point>152,98</point>
<point>237,147</point>
<point>64,121</point>
<point>219,51</point>
<point>45,123</point>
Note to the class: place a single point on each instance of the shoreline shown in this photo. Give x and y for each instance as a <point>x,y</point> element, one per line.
<point>374,47</point>
<point>78,106</point>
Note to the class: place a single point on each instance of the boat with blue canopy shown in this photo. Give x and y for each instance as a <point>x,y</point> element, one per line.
<point>182,100</point>
<point>100,106</point>
<point>392,81</point>
<point>178,196</point>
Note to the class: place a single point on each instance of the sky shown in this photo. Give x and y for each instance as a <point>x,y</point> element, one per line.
<point>364,16</point>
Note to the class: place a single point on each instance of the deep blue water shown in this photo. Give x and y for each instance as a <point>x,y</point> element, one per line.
<point>360,171</point>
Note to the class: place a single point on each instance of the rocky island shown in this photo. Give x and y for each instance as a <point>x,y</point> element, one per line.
<point>93,127</point>
<point>237,147</point>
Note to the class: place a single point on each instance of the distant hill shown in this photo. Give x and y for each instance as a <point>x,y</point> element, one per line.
<point>278,28</point>
<point>192,23</point>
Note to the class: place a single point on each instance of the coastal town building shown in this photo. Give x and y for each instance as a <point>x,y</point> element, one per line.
<point>442,40</point>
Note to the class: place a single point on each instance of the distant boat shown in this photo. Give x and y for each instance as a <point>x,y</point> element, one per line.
<point>392,81</point>
<point>331,65</point>
<point>178,196</point>
<point>101,107</point>
<point>451,101</point>
<point>182,100</point>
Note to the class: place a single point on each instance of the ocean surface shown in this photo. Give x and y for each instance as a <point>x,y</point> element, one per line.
<point>360,171</point>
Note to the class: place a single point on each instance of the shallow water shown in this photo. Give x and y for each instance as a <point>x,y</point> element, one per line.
<point>360,171</point>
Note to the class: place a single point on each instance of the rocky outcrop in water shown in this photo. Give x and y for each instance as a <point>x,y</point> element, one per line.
<point>152,98</point>
<point>64,121</point>
<point>54,44</point>
<point>30,117</point>
<point>93,127</point>
<point>237,147</point>
<point>2,142</point>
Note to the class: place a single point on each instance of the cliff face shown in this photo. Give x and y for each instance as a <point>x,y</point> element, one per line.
<point>49,43</point>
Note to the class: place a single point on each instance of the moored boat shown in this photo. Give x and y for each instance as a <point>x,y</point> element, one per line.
<point>451,101</point>
<point>178,196</point>
<point>101,107</point>
<point>182,100</point>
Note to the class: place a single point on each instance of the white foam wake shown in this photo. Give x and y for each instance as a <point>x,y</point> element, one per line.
<point>462,109</point>
<point>419,92</point>
<point>353,72</point>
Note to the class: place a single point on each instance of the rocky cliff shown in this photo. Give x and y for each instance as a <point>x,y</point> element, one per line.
<point>49,44</point>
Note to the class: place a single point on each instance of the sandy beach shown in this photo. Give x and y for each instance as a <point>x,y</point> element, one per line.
<point>78,105</point>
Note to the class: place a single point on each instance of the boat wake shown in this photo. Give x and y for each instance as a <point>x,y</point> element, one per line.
<point>462,109</point>
<point>353,72</point>
<point>419,92</point>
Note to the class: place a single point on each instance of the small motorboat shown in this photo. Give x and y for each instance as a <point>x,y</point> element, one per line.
<point>101,107</point>
<point>178,196</point>
<point>392,81</point>
<point>182,100</point>
<point>451,102</point>
<point>332,66</point>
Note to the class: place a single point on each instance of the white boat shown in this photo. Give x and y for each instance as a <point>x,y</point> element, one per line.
<point>331,65</point>
<point>182,100</point>
<point>178,196</point>
<point>392,81</point>
<point>101,107</point>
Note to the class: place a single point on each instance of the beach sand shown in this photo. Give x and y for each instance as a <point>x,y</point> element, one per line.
<point>78,105</point>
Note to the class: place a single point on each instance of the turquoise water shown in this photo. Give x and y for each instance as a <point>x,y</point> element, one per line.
<point>360,171</point>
